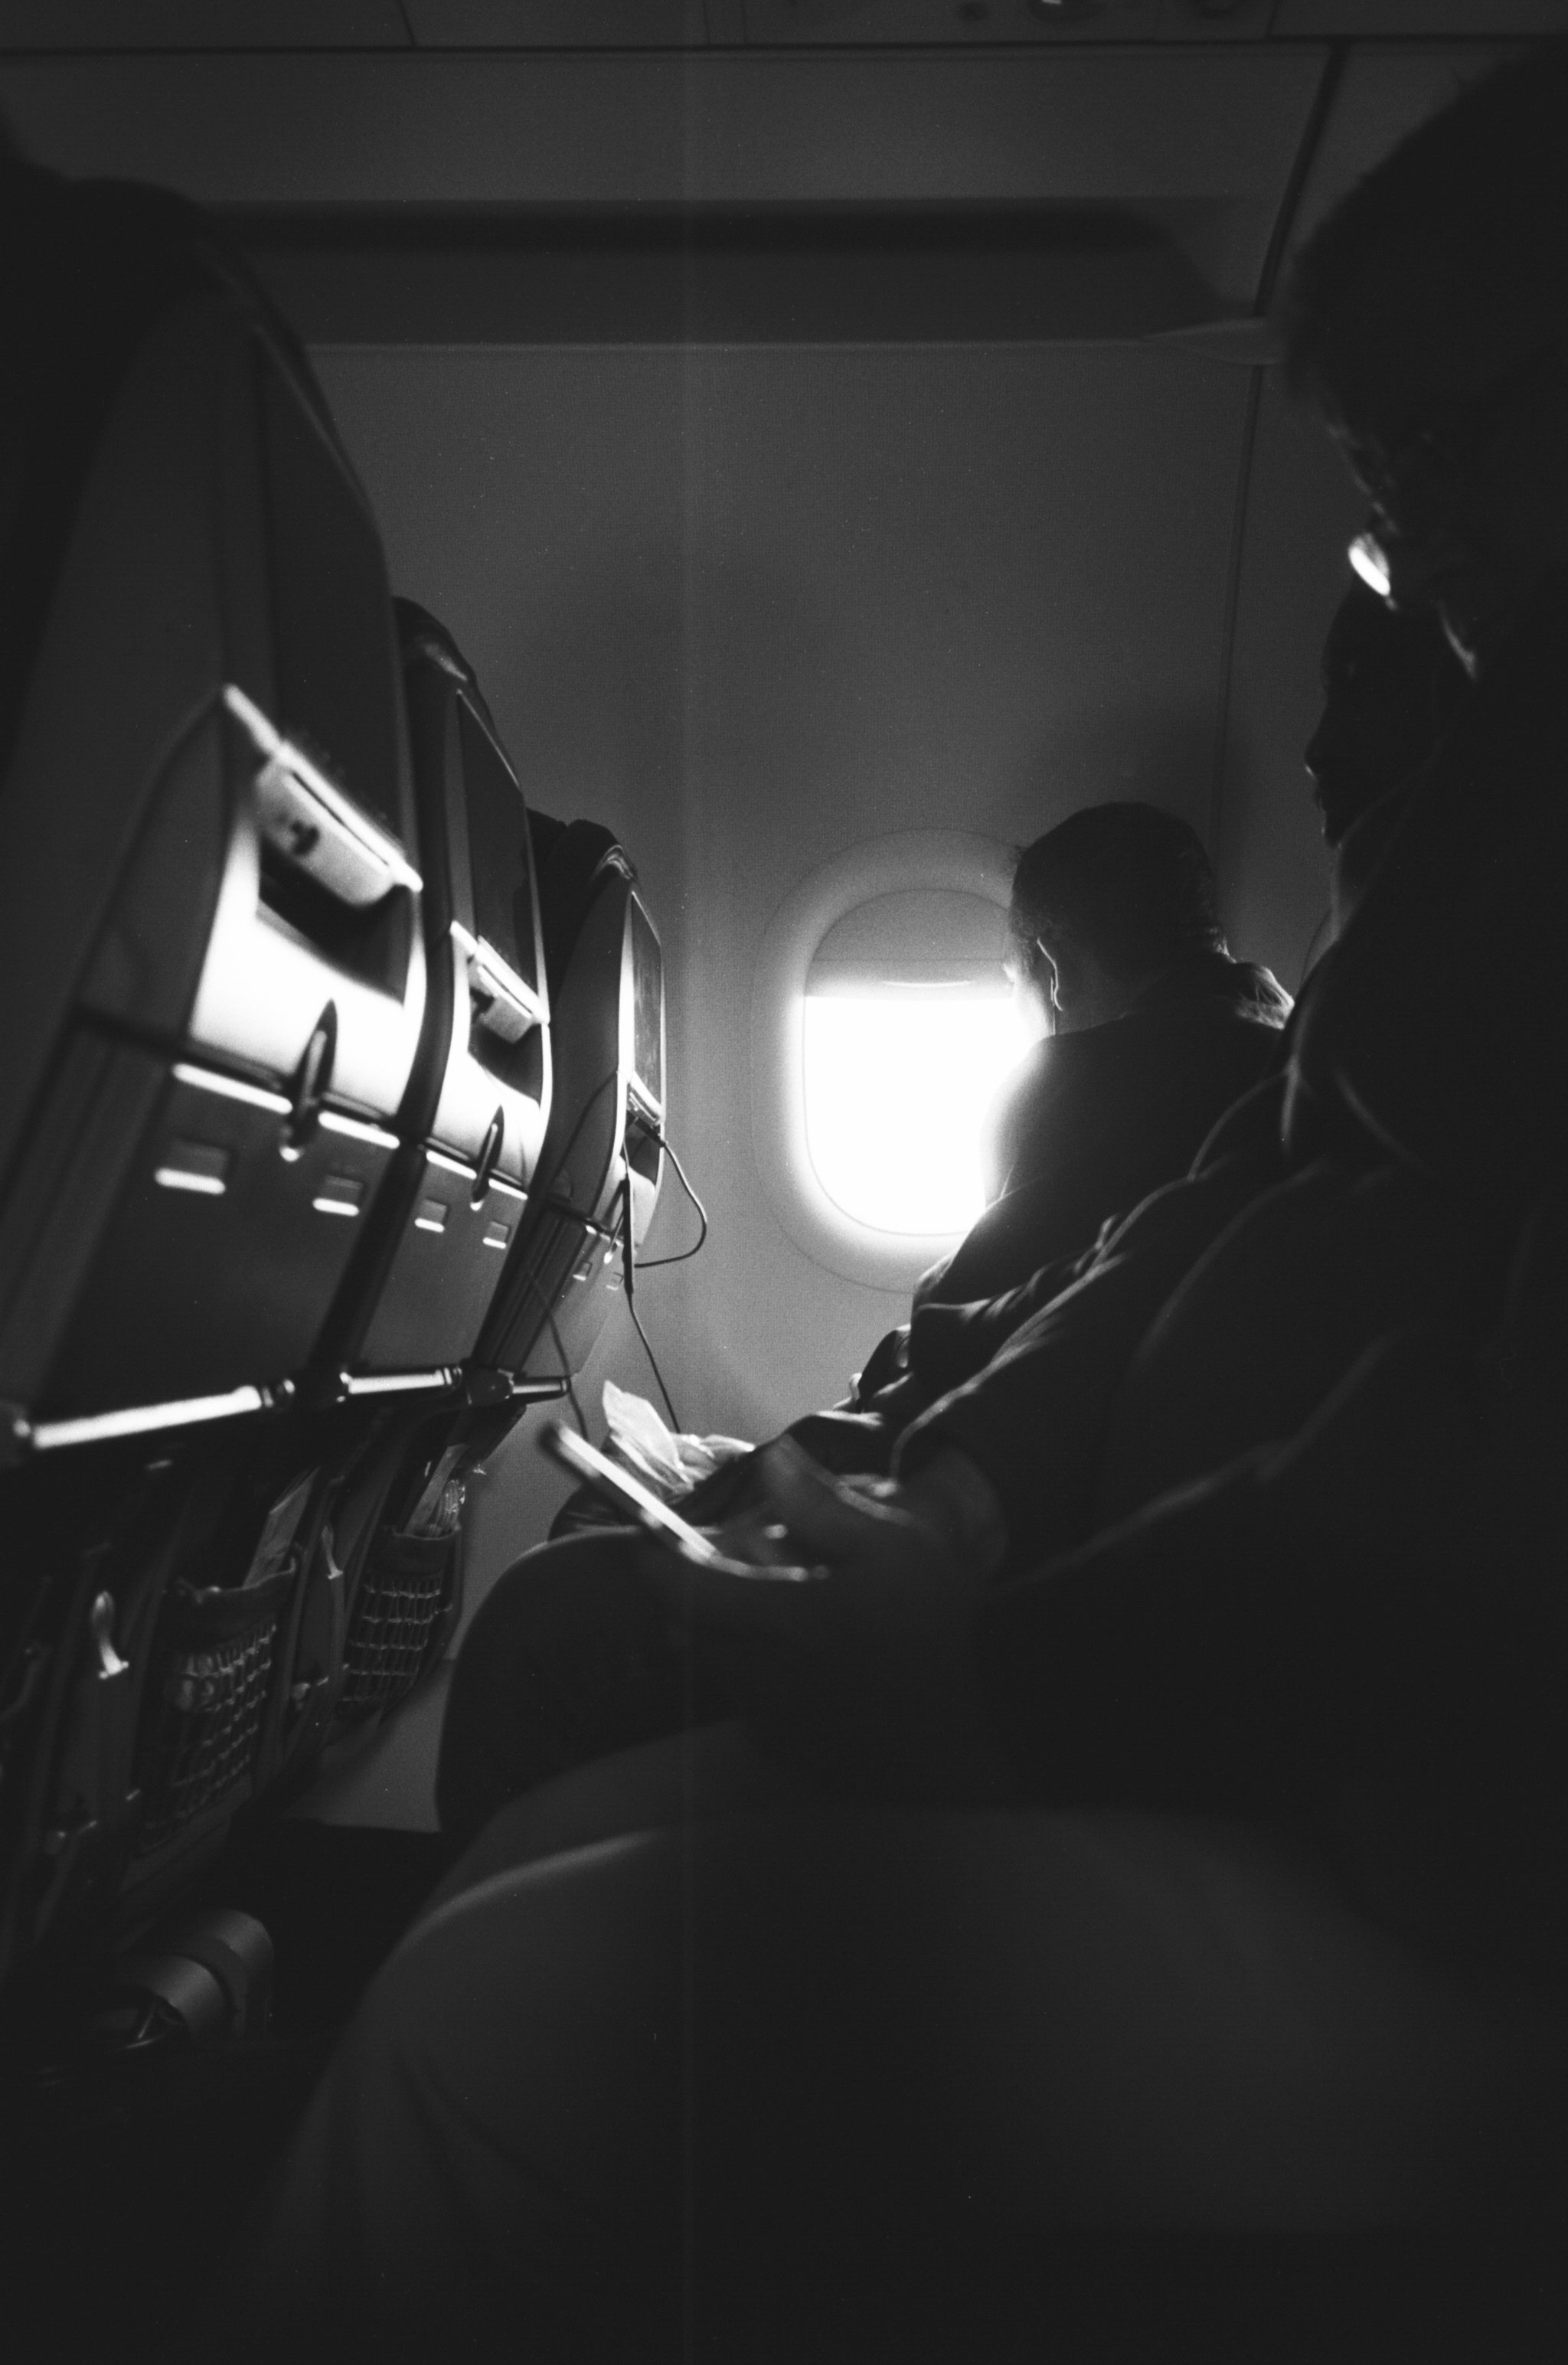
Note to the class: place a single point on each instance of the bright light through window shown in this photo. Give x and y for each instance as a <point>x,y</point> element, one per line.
<point>898,1080</point>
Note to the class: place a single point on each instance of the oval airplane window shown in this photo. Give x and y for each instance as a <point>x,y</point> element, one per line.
<point>907,1012</point>
<point>883,1029</point>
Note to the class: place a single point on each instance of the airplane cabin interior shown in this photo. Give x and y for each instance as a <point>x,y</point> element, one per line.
<point>556,551</point>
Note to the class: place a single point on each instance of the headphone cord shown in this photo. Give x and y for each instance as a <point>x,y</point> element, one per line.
<point>629,1265</point>
<point>629,1262</point>
<point>561,1355</point>
<point>651,1264</point>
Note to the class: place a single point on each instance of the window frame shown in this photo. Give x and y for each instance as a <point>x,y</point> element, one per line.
<point>960,861</point>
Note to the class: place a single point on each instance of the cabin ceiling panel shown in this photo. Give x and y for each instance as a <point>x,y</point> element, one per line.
<point>399,199</point>
<point>202,25</point>
<point>1423,19</point>
<point>559,24</point>
<point>1111,126</point>
<point>1214,21</point>
<point>873,22</point>
<point>767,25</point>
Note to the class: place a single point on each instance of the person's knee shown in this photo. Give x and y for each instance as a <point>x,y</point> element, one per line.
<point>567,1659</point>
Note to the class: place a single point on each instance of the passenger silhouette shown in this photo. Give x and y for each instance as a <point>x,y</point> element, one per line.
<point>1155,1030</point>
<point>1208,1873</point>
<point>1391,689</point>
<point>1152,1031</point>
<point>1150,1028</point>
<point>569,1659</point>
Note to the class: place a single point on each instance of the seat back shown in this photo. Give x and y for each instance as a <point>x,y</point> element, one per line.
<point>432,1253</point>
<point>384,1583</point>
<point>384,1587</point>
<point>176,1574</point>
<point>210,912</point>
<point>601,1163</point>
<point>396,1540</point>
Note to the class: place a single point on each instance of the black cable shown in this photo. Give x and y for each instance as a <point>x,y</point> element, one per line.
<point>629,1264</point>
<point>651,1264</point>
<point>561,1355</point>
<point>564,1208</point>
<point>674,1416</point>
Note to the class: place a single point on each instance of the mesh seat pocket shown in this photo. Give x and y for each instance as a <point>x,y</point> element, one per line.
<point>396,1624</point>
<point>206,1701</point>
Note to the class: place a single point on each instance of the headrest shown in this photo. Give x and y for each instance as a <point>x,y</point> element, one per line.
<point>572,860</point>
<point>423,639</point>
<point>86,268</point>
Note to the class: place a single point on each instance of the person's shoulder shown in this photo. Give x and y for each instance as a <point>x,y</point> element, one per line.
<point>1057,1064</point>
<point>1215,997</point>
<point>1038,1071</point>
<point>1042,1099</point>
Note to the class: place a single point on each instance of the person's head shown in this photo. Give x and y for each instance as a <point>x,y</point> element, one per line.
<point>1102,906</point>
<point>1429,317</point>
<point>1391,685</point>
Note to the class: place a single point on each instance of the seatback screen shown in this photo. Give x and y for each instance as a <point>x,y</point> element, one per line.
<point>499,851</point>
<point>648,1002</point>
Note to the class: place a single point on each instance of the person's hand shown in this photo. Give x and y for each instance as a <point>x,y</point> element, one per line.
<point>850,1444</point>
<point>887,1361</point>
<point>899,1401</point>
<point>848,1651</point>
<point>842,1564</point>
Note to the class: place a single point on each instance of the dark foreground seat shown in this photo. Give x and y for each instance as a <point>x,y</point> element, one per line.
<point>209,899</point>
<point>208,890</point>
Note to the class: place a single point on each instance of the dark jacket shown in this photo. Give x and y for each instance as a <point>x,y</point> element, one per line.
<point>1362,1585</point>
<point>1094,1122</point>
